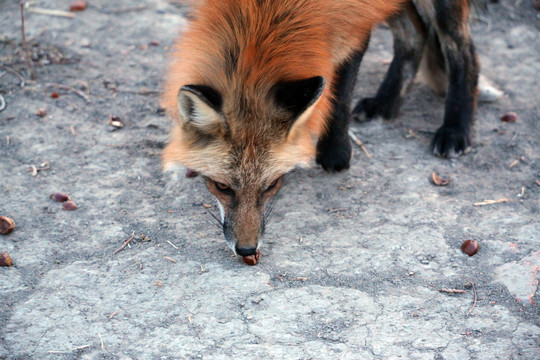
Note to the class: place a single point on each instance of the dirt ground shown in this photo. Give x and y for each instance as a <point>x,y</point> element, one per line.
<point>352,266</point>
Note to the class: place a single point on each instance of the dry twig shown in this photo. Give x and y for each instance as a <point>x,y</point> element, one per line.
<point>449,291</point>
<point>43,166</point>
<point>170,259</point>
<point>61,13</point>
<point>475,298</point>
<point>452,291</point>
<point>69,88</point>
<point>336,210</point>
<point>359,142</point>
<point>123,10</point>
<point>491,202</point>
<point>33,75</point>
<point>14,73</point>
<point>126,242</point>
<point>101,340</point>
<point>68,351</point>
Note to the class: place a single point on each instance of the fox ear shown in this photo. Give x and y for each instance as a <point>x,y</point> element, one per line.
<point>200,106</point>
<point>296,96</point>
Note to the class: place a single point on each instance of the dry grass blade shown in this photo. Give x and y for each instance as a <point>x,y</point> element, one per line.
<point>491,202</point>
<point>50,12</point>
<point>25,47</point>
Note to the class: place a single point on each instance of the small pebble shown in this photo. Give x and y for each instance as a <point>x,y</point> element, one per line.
<point>42,112</point>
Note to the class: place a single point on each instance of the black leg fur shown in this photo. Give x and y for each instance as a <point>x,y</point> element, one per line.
<point>409,38</point>
<point>454,137</point>
<point>334,147</point>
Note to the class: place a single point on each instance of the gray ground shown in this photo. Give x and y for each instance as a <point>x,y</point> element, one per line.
<point>353,263</point>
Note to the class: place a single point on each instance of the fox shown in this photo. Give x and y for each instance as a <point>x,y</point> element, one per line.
<point>256,88</point>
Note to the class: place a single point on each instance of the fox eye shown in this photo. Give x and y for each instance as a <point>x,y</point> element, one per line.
<point>272,185</point>
<point>226,189</point>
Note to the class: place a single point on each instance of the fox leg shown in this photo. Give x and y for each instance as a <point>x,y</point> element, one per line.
<point>451,24</point>
<point>334,147</point>
<point>408,32</point>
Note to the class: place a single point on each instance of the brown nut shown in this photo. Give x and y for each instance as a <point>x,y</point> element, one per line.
<point>55,95</point>
<point>510,117</point>
<point>69,205</point>
<point>5,259</point>
<point>60,197</point>
<point>470,247</point>
<point>6,225</point>
<point>251,259</point>
<point>77,5</point>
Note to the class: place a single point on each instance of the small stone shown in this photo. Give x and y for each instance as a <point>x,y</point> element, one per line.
<point>116,122</point>
<point>42,112</point>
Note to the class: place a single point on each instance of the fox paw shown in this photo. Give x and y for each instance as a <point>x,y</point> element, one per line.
<point>334,156</point>
<point>373,108</point>
<point>366,109</point>
<point>451,142</point>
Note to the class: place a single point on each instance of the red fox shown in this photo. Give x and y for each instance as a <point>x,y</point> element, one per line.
<point>258,87</point>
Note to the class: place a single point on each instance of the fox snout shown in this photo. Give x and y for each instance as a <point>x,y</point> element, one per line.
<point>244,212</point>
<point>244,231</point>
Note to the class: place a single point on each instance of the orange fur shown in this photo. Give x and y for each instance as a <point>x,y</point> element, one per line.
<point>268,41</point>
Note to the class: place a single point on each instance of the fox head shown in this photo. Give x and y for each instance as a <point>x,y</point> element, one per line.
<point>242,143</point>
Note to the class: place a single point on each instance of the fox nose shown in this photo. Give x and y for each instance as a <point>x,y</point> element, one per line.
<point>245,251</point>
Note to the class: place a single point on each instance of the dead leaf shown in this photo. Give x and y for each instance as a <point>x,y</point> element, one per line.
<point>439,181</point>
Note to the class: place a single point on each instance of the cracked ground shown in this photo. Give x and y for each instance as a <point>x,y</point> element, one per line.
<point>355,265</point>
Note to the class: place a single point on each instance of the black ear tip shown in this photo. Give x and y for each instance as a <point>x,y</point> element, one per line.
<point>297,95</point>
<point>206,93</point>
